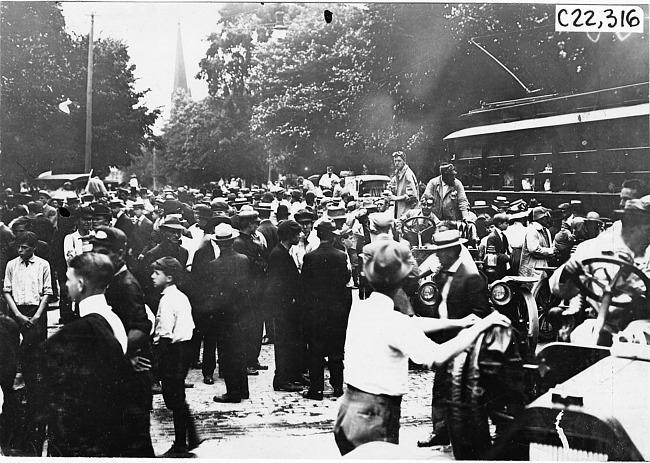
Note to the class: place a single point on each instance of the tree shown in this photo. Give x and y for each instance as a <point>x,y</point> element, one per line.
<point>42,66</point>
<point>35,57</point>
<point>202,145</point>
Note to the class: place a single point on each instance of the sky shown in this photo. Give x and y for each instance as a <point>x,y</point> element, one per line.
<point>149,30</point>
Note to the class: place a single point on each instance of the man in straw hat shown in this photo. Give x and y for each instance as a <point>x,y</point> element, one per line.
<point>630,242</point>
<point>228,279</point>
<point>379,343</point>
<point>463,292</point>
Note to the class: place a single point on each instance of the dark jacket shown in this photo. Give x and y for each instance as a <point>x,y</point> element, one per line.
<point>125,296</point>
<point>227,282</point>
<point>270,233</point>
<point>125,224</point>
<point>324,277</point>
<point>282,283</point>
<point>140,236</point>
<point>85,389</point>
<point>467,293</point>
<point>502,251</point>
<point>245,245</point>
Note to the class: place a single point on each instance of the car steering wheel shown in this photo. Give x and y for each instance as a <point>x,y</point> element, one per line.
<point>418,225</point>
<point>598,272</point>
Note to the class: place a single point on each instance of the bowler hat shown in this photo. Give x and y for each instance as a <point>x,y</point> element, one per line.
<point>386,262</point>
<point>282,212</point>
<point>447,239</point>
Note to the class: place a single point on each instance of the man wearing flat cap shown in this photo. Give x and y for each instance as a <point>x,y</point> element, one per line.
<point>171,231</point>
<point>126,298</point>
<point>403,186</point>
<point>247,244</point>
<point>538,246</point>
<point>448,193</point>
<point>630,243</point>
<point>325,274</point>
<point>379,343</point>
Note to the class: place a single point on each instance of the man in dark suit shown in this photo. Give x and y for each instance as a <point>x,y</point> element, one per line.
<point>498,240</point>
<point>463,292</point>
<point>141,231</point>
<point>228,282</point>
<point>202,311</point>
<point>171,230</point>
<point>281,298</point>
<point>120,219</point>
<point>126,298</point>
<point>325,274</point>
<point>248,245</point>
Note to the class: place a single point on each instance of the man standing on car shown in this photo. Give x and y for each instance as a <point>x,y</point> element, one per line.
<point>403,186</point>
<point>448,193</point>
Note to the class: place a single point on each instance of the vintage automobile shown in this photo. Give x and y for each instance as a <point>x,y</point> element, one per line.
<point>584,401</point>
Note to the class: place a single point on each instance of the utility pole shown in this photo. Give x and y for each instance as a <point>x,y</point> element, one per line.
<point>2,167</point>
<point>155,187</point>
<point>89,100</point>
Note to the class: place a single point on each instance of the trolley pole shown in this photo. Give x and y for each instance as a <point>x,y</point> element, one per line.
<point>89,101</point>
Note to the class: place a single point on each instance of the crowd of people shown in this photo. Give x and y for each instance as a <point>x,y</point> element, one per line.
<point>153,283</point>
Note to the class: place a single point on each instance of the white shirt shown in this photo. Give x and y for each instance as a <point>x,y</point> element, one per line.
<point>73,246</point>
<point>379,342</point>
<point>326,180</point>
<point>174,318</point>
<point>299,250</point>
<point>516,234</point>
<point>442,308</point>
<point>97,304</point>
<point>28,283</point>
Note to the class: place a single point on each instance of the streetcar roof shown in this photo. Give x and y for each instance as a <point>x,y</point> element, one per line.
<point>552,121</point>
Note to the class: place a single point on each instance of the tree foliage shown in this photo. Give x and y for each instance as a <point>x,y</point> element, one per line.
<point>42,66</point>
<point>382,77</point>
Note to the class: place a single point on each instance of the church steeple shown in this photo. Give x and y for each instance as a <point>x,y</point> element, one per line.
<point>180,77</point>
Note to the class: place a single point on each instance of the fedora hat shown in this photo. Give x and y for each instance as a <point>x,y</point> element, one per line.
<point>539,212</point>
<point>224,232</point>
<point>326,225</point>
<point>386,262</point>
<point>447,239</point>
<point>304,215</point>
<point>172,222</point>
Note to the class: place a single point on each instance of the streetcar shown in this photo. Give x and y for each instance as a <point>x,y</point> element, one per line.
<point>556,148</point>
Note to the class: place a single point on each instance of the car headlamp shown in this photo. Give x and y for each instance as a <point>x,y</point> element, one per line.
<point>428,293</point>
<point>501,294</point>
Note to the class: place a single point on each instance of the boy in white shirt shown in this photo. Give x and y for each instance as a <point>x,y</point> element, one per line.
<point>173,352</point>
